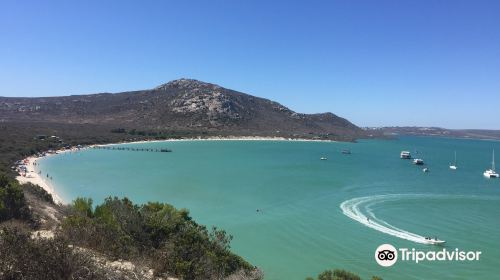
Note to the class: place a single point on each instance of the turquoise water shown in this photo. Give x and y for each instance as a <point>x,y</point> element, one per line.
<point>301,229</point>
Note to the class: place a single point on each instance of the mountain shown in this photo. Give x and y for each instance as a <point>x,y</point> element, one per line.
<point>183,104</point>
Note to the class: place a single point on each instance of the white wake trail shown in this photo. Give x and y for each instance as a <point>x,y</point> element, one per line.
<point>353,209</point>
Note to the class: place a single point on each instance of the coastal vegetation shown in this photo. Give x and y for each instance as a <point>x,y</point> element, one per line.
<point>158,234</point>
<point>339,274</point>
<point>12,202</point>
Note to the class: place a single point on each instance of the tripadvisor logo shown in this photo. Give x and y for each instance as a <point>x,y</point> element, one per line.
<point>387,255</point>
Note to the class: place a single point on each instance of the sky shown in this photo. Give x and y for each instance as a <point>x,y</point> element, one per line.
<point>376,63</point>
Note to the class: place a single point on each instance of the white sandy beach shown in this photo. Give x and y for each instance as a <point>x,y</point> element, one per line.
<point>224,138</point>
<point>33,177</point>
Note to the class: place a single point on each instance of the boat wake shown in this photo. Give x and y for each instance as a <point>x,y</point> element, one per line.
<point>360,210</point>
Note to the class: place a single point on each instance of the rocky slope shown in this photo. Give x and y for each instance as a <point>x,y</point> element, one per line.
<point>183,104</point>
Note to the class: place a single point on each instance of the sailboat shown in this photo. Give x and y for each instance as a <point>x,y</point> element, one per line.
<point>454,165</point>
<point>491,173</point>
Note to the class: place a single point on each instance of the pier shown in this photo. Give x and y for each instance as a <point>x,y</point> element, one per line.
<point>151,150</point>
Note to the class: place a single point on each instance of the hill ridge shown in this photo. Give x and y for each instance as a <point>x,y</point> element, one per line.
<point>181,104</point>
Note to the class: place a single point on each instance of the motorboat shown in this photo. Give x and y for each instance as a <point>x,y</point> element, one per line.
<point>323,158</point>
<point>418,161</point>
<point>405,155</point>
<point>433,241</point>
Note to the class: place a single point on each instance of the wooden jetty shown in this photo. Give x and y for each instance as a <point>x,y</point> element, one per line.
<point>113,148</point>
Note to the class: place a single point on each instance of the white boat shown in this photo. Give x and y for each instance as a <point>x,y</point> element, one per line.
<point>405,155</point>
<point>433,241</point>
<point>491,173</point>
<point>418,161</point>
<point>425,170</point>
<point>323,158</point>
<point>454,165</point>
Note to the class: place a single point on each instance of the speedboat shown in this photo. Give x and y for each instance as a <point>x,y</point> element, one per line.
<point>425,170</point>
<point>433,241</point>
<point>418,161</point>
<point>491,173</point>
<point>405,155</point>
<point>323,158</point>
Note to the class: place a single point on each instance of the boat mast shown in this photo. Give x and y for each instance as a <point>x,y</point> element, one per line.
<point>493,161</point>
<point>455,163</point>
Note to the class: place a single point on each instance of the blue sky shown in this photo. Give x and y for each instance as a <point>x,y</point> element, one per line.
<point>374,62</point>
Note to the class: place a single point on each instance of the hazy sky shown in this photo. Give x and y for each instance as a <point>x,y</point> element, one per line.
<point>374,62</point>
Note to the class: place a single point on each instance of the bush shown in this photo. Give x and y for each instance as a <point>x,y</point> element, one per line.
<point>339,274</point>
<point>23,257</point>
<point>167,238</point>
<point>12,201</point>
<point>39,192</point>
<point>83,207</point>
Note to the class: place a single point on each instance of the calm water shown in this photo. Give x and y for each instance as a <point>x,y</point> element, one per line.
<point>301,229</point>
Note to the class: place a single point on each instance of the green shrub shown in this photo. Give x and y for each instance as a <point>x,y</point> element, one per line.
<point>167,238</point>
<point>12,201</point>
<point>339,274</point>
<point>83,206</point>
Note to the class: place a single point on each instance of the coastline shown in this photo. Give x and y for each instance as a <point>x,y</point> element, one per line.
<point>219,138</point>
<point>32,175</point>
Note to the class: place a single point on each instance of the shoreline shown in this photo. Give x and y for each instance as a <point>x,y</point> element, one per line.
<point>221,138</point>
<point>32,175</point>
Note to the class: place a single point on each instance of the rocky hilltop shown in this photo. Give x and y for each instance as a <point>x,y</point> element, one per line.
<point>183,104</point>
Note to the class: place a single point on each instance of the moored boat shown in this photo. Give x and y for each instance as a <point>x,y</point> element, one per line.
<point>491,173</point>
<point>453,166</point>
<point>418,161</point>
<point>405,155</point>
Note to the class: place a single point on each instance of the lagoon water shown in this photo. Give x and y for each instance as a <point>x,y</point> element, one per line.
<point>301,229</point>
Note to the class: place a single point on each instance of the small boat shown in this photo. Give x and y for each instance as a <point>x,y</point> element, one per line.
<point>405,155</point>
<point>491,173</point>
<point>346,152</point>
<point>425,170</point>
<point>453,166</point>
<point>418,161</point>
<point>434,241</point>
<point>323,158</point>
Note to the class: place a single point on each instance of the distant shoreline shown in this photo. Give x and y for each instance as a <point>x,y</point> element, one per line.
<point>32,176</point>
<point>224,138</point>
